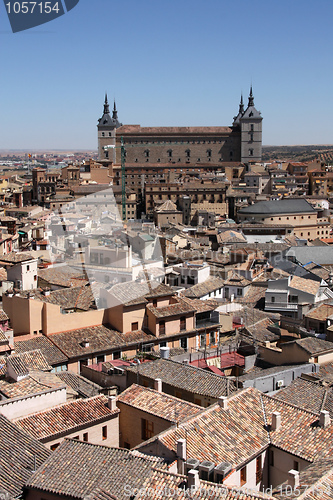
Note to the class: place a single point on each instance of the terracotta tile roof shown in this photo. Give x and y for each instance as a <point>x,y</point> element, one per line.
<point>34,383</point>
<point>306,394</point>
<point>77,469</point>
<point>3,316</point>
<point>168,206</point>
<point>162,481</point>
<point>64,276</point>
<point>80,297</point>
<point>243,430</point>
<point>186,377</point>
<point>159,404</point>
<point>52,354</point>
<point>316,483</point>
<point>305,285</point>
<point>202,305</point>
<point>137,129</point>
<point>201,289</point>
<point>313,345</point>
<point>18,452</point>
<point>253,295</point>
<point>82,386</point>
<point>136,293</point>
<point>15,257</point>
<point>179,307</point>
<point>237,280</point>
<point>100,339</point>
<point>65,418</point>
<point>321,312</point>
<point>260,332</point>
<point>29,360</point>
<point>3,366</point>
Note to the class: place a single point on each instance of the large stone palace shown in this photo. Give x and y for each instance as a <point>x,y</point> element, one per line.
<point>241,142</point>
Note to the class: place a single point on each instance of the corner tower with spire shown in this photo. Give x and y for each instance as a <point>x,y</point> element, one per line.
<point>106,130</point>
<point>250,123</point>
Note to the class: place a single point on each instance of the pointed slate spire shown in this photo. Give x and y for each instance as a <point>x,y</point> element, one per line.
<point>114,112</point>
<point>106,105</point>
<point>241,105</point>
<point>251,98</point>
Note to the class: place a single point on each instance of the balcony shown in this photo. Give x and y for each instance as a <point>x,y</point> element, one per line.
<point>281,306</point>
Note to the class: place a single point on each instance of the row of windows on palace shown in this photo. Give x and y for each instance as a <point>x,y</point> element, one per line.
<point>188,156</point>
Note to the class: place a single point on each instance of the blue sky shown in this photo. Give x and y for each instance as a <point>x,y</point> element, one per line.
<point>181,62</point>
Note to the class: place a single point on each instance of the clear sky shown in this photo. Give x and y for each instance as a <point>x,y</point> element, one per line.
<point>181,63</point>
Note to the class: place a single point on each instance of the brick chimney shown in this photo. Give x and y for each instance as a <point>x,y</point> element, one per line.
<point>324,419</point>
<point>276,420</point>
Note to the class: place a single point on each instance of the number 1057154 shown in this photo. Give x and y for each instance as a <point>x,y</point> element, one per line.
<point>31,7</point>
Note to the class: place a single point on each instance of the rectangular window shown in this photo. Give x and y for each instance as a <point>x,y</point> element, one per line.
<point>104,432</point>
<point>240,291</point>
<point>212,337</point>
<point>85,437</point>
<point>183,343</point>
<point>296,465</point>
<point>243,476</point>
<point>258,470</point>
<point>161,328</point>
<point>100,358</point>
<point>182,323</point>
<point>116,355</point>
<point>147,429</point>
<point>135,326</point>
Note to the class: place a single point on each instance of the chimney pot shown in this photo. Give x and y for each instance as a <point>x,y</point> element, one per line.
<point>223,402</point>
<point>324,419</point>
<point>276,420</point>
<point>112,403</point>
<point>293,478</point>
<point>193,481</point>
<point>158,385</point>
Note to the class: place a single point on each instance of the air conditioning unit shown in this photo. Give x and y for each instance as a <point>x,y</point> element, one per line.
<point>279,383</point>
<point>221,471</point>
<point>191,463</point>
<point>206,470</point>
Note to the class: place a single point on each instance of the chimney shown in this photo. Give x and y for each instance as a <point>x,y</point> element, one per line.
<point>181,455</point>
<point>293,480</point>
<point>112,403</point>
<point>223,402</point>
<point>324,419</point>
<point>276,420</point>
<point>46,292</point>
<point>193,482</point>
<point>158,385</point>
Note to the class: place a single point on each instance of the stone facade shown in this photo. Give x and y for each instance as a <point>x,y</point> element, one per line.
<point>240,142</point>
